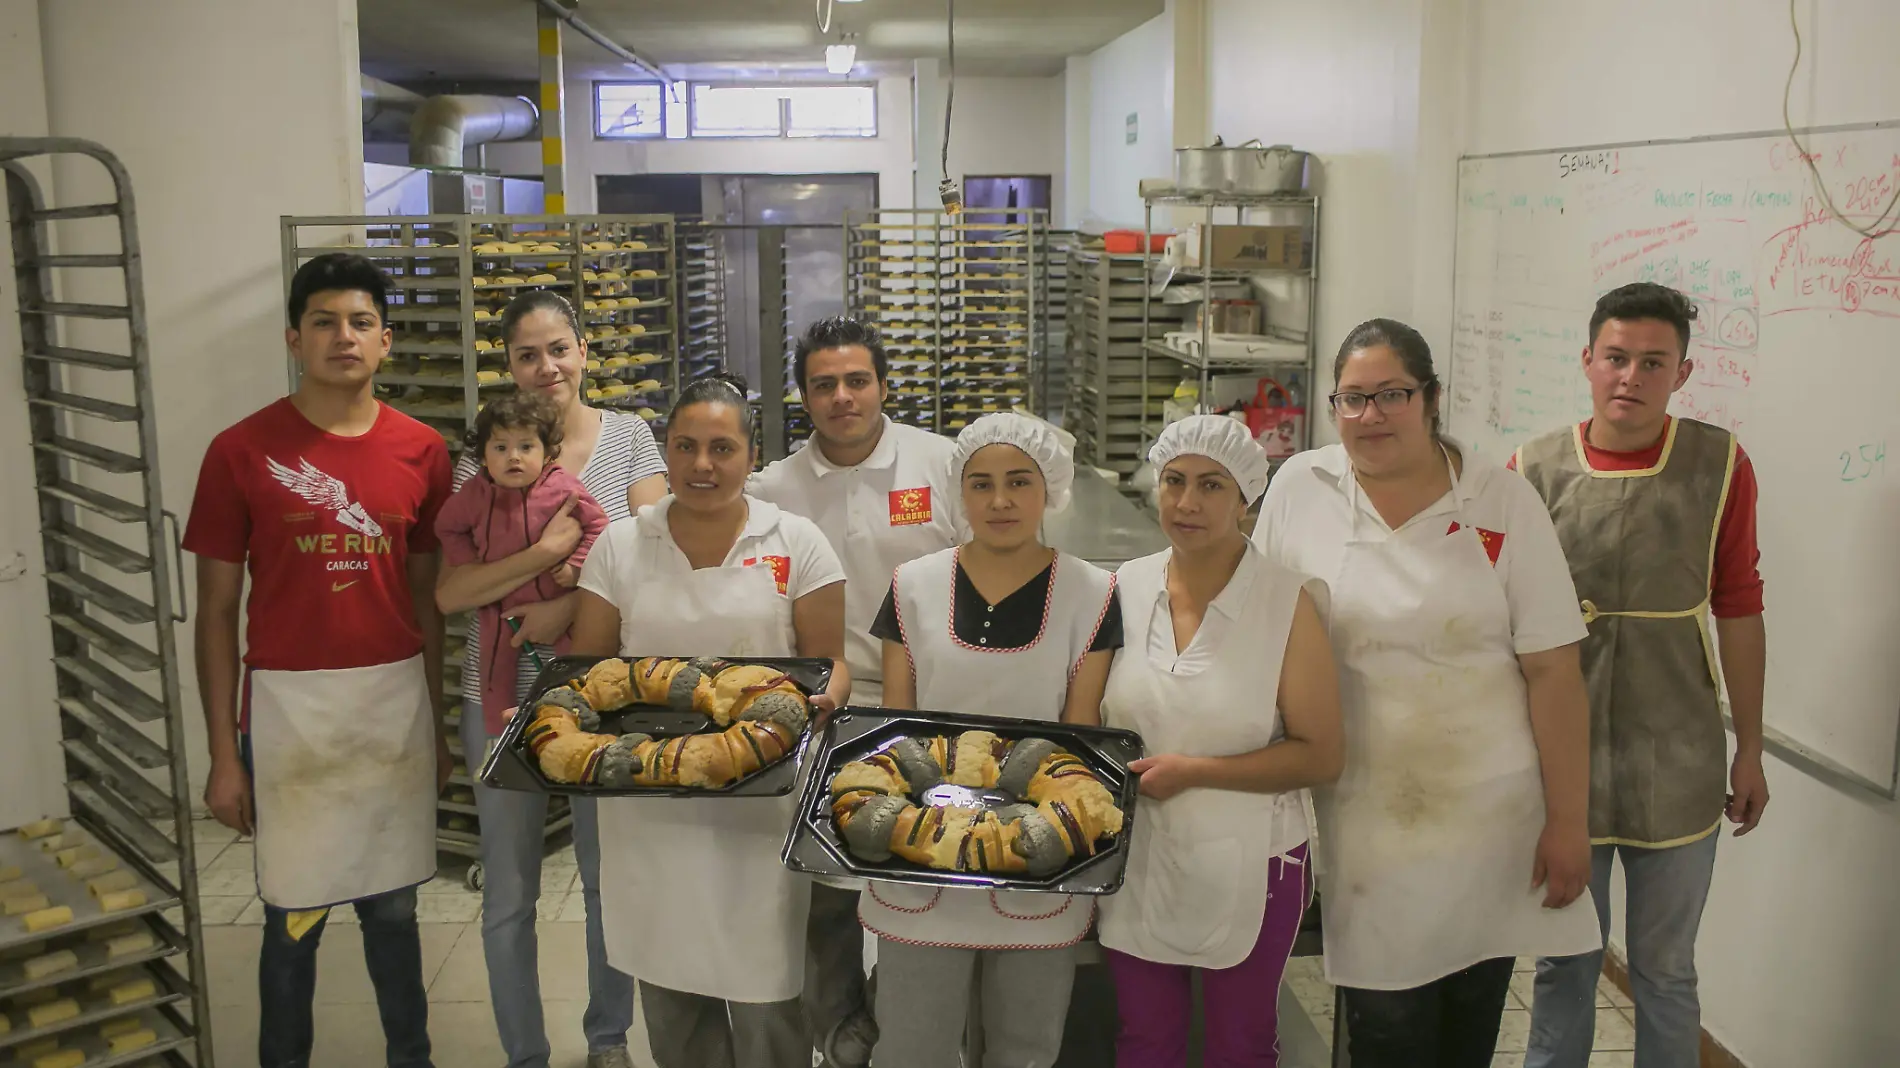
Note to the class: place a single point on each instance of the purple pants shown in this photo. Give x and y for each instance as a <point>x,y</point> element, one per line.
<point>1240,1005</point>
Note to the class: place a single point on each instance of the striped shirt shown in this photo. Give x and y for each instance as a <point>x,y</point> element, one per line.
<point>625,454</point>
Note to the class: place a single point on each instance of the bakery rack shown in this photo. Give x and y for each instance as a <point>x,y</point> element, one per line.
<point>1106,409</point>
<point>1289,354</point>
<point>1053,321</point>
<point>450,278</point>
<point>112,570</point>
<point>956,297</point>
<point>699,249</point>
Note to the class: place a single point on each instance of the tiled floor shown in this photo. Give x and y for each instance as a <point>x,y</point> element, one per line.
<point>1615,1032</point>
<point>463,1026</point>
<point>460,1020</point>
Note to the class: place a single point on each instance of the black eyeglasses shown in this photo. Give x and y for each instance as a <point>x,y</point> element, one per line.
<point>1353,405</point>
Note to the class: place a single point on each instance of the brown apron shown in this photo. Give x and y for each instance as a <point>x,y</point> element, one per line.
<point>1641,547</point>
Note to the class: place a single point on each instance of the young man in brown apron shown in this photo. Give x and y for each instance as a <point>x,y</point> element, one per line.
<point>1657,518</point>
<point>329,743</point>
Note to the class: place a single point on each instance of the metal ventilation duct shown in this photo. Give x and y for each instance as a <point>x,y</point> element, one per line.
<point>444,126</point>
<point>386,110</point>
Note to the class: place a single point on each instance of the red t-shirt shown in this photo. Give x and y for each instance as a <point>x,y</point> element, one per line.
<point>1735,586</point>
<point>326,525</point>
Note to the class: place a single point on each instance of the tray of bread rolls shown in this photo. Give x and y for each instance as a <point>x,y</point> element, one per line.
<point>26,1019</point>
<point>55,876</point>
<point>942,799</point>
<point>35,966</point>
<point>660,726</point>
<point>122,1040</point>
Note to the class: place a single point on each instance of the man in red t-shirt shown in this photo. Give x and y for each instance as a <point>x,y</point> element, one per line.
<point>1657,518</point>
<point>328,744</point>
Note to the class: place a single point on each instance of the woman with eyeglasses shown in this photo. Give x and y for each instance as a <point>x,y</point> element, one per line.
<point>1456,838</point>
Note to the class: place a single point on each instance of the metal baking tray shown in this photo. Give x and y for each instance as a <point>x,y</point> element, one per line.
<point>97,1008</point>
<point>511,767</point>
<point>62,888</point>
<point>854,733</point>
<point>172,1033</point>
<point>93,959</point>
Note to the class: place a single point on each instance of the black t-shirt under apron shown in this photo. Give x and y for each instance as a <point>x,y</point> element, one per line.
<point>1010,624</point>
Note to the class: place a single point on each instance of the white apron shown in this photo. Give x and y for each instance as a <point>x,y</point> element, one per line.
<point>1031,683</point>
<point>1431,832</point>
<point>1195,892</point>
<point>344,782</point>
<point>693,896</point>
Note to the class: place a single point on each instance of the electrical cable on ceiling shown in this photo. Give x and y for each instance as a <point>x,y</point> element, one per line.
<point>947,189</point>
<point>1872,231</point>
<point>822,12</point>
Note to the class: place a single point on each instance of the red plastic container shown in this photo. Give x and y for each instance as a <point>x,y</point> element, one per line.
<point>1123,242</point>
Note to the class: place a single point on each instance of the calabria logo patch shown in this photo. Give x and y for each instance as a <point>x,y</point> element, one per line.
<point>1492,541</point>
<point>781,568</point>
<point>910,507</point>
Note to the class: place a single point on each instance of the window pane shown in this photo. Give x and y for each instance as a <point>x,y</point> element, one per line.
<point>624,109</point>
<point>676,124</point>
<point>736,111</point>
<point>833,111</point>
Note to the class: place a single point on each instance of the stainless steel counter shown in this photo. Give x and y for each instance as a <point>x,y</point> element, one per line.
<point>1102,526</point>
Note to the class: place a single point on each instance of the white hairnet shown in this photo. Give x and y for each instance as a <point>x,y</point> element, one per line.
<point>1053,449</point>
<point>1222,440</point>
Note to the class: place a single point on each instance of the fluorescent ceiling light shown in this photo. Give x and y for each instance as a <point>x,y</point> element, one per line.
<point>851,1</point>
<point>840,58</point>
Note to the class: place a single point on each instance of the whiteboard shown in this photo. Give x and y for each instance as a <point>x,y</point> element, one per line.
<point>1797,350</point>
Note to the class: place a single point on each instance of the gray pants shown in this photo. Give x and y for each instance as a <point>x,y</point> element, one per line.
<point>1667,889</point>
<point>512,844</point>
<point>834,960</point>
<point>924,995</point>
<point>696,1031</point>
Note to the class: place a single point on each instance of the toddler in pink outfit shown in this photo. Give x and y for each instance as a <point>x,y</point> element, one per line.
<point>505,509</point>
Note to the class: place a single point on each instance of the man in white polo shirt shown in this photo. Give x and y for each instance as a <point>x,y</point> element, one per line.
<point>883,493</point>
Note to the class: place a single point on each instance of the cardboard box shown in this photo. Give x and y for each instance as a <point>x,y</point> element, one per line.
<point>1266,248</point>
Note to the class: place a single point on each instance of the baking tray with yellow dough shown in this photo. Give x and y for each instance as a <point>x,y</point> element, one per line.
<point>35,967</point>
<point>61,878</point>
<point>86,1004</point>
<point>122,1040</point>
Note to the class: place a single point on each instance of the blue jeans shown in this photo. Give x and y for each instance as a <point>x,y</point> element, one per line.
<point>1666,889</point>
<point>512,845</point>
<point>287,982</point>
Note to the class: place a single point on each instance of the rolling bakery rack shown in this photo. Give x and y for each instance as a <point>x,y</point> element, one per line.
<point>1109,399</point>
<point>956,298</point>
<point>450,278</point>
<point>110,566</point>
<point>701,295</point>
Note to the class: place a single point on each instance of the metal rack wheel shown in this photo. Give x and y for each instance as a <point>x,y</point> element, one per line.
<point>475,878</point>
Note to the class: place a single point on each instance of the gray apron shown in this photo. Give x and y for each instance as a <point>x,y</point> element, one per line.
<point>1641,546</point>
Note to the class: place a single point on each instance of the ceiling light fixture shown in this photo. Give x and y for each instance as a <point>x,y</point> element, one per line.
<point>840,58</point>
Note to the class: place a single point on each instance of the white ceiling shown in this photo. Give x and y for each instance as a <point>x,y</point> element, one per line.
<point>494,39</point>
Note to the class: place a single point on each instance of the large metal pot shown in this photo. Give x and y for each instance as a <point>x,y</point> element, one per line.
<point>1244,169</point>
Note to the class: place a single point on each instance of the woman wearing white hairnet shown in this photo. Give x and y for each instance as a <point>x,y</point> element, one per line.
<point>1002,626</point>
<point>1229,679</point>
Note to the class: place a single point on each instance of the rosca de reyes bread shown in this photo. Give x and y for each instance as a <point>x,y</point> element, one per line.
<point>762,710</point>
<point>1062,808</point>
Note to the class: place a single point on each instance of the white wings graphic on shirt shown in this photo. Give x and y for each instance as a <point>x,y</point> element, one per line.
<point>325,491</point>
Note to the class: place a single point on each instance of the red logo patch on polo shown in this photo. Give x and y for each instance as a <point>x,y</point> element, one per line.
<point>1492,541</point>
<point>781,568</point>
<point>910,507</point>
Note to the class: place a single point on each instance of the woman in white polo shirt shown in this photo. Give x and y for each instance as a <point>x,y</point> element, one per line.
<point>1456,838</point>
<point>695,903</point>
